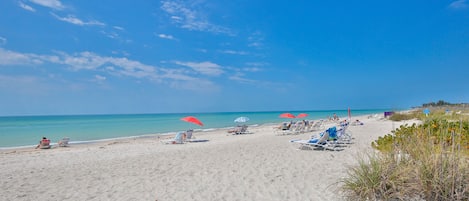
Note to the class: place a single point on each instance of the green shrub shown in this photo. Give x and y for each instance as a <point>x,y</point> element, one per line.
<point>428,161</point>
<point>378,177</point>
<point>403,116</point>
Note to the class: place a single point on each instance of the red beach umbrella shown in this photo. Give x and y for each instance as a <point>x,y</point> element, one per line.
<point>287,115</point>
<point>193,120</point>
<point>301,115</point>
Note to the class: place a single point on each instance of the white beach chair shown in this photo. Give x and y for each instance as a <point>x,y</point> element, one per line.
<point>190,137</point>
<point>178,139</point>
<point>63,142</point>
<point>320,143</point>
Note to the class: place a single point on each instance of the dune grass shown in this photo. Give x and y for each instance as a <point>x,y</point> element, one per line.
<point>418,162</point>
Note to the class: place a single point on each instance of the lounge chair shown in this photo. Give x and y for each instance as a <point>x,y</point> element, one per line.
<point>63,142</point>
<point>241,130</point>
<point>318,125</point>
<point>287,129</point>
<point>321,143</point>
<point>344,135</point>
<point>44,144</point>
<point>178,139</point>
<point>190,137</point>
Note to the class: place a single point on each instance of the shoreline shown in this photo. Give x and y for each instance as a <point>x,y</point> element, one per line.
<point>151,135</point>
<point>258,166</point>
<point>27,131</point>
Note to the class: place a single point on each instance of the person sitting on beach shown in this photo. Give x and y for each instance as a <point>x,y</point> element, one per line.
<point>358,122</point>
<point>344,123</point>
<point>335,118</point>
<point>285,126</point>
<point>44,143</point>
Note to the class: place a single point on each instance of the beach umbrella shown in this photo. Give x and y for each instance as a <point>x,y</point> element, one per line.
<point>193,120</point>
<point>287,115</point>
<point>241,119</point>
<point>301,115</point>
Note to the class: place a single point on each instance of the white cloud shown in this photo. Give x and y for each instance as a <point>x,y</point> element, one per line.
<point>239,77</point>
<point>74,20</point>
<point>3,41</point>
<point>234,52</point>
<point>189,18</point>
<point>13,58</point>
<point>206,68</point>
<point>119,67</point>
<point>99,79</point>
<point>164,36</point>
<point>256,40</point>
<point>252,69</point>
<point>112,35</point>
<point>257,64</point>
<point>202,50</point>
<point>119,28</point>
<point>26,7</point>
<point>459,4</point>
<point>54,4</point>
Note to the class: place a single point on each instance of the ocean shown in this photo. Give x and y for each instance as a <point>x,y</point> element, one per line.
<point>26,131</point>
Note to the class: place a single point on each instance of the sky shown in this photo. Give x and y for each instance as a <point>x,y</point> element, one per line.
<point>172,56</point>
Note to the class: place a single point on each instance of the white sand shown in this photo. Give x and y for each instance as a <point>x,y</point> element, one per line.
<point>259,166</point>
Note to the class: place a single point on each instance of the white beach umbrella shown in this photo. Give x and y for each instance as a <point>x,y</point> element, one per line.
<point>241,119</point>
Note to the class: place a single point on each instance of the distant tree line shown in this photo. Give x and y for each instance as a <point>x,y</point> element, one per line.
<point>442,103</point>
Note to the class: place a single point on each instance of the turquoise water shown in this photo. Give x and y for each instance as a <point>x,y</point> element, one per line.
<point>20,131</point>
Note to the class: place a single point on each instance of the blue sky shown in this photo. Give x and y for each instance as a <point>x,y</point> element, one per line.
<point>99,57</point>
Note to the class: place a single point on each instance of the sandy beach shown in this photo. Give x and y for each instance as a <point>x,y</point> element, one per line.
<point>258,166</point>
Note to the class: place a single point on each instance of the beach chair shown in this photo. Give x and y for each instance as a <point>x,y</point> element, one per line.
<point>63,142</point>
<point>190,137</point>
<point>178,139</point>
<point>288,129</point>
<point>344,136</point>
<point>44,144</point>
<point>318,125</point>
<point>320,143</point>
<point>242,130</point>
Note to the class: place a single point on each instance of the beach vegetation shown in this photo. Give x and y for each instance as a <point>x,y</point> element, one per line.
<point>404,116</point>
<point>378,177</point>
<point>427,161</point>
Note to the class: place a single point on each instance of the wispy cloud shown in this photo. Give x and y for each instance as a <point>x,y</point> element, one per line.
<point>119,28</point>
<point>99,79</point>
<point>234,52</point>
<point>26,7</point>
<point>187,17</point>
<point>76,21</point>
<point>459,4</point>
<point>119,67</point>
<point>205,68</point>
<point>165,36</point>
<point>3,41</point>
<point>14,58</point>
<point>54,4</point>
<point>256,40</point>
